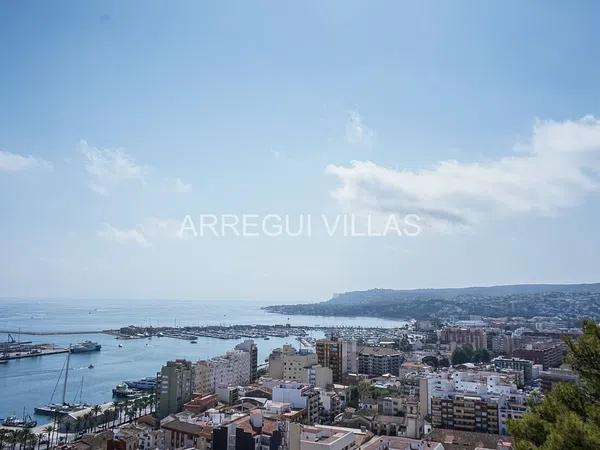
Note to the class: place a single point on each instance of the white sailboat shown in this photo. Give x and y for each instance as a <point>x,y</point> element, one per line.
<point>63,407</point>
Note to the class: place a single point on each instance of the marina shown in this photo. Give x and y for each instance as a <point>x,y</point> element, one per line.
<point>29,382</point>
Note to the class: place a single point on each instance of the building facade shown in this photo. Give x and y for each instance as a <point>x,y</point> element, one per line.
<point>176,386</point>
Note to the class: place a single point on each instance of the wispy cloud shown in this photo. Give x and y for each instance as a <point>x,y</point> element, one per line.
<point>13,162</point>
<point>357,132</point>
<point>180,187</point>
<point>145,234</point>
<point>123,236</point>
<point>108,169</point>
<point>555,170</point>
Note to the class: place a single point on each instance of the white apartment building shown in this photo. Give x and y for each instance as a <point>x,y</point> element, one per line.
<point>299,396</point>
<point>296,366</point>
<point>233,368</point>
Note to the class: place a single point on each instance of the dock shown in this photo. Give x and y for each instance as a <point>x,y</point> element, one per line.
<point>33,353</point>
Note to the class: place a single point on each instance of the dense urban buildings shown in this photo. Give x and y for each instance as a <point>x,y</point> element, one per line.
<point>375,361</point>
<point>456,336</point>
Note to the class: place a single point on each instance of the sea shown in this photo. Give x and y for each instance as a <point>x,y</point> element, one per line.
<point>26,383</point>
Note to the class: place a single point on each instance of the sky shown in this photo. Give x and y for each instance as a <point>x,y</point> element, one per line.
<point>119,120</point>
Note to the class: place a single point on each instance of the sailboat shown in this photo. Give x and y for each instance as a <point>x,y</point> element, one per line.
<point>63,407</point>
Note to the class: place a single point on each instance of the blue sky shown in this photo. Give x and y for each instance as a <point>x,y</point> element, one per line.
<point>117,119</point>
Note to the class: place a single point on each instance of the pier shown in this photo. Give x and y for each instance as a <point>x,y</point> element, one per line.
<point>41,350</point>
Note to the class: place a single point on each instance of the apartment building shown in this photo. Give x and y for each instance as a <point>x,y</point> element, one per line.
<point>522,365</point>
<point>339,355</point>
<point>276,360</point>
<point>299,396</point>
<point>547,353</point>
<point>233,368</point>
<point>465,413</point>
<point>320,376</point>
<point>249,346</point>
<point>296,365</point>
<point>176,386</point>
<point>473,401</point>
<point>457,337</point>
<point>376,361</point>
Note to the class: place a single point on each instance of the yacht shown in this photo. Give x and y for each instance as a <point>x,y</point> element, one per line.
<point>14,421</point>
<point>86,346</point>
<point>145,384</point>
<point>122,390</point>
<point>63,407</point>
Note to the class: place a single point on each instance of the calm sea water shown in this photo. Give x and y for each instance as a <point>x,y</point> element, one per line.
<point>29,382</point>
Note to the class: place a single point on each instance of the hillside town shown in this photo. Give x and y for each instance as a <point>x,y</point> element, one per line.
<point>424,386</point>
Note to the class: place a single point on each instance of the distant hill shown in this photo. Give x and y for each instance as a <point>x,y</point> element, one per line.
<point>521,299</point>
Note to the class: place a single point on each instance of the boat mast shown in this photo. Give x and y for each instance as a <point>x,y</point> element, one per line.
<point>66,376</point>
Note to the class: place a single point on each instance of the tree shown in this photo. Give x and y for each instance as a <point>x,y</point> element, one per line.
<point>459,356</point>
<point>40,438</point>
<point>481,356</point>
<point>569,416</point>
<point>4,433</point>
<point>48,430</point>
<point>96,409</point>
<point>405,344</point>
<point>431,361</point>
<point>444,362</point>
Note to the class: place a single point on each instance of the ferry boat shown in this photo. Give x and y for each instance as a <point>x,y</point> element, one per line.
<point>122,390</point>
<point>145,384</point>
<point>86,346</point>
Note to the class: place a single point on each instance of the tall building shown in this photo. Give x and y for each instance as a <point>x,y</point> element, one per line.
<point>176,386</point>
<point>232,368</point>
<point>287,363</point>
<point>276,361</point>
<point>465,413</point>
<point>376,361</point>
<point>475,337</point>
<point>320,376</point>
<point>249,346</point>
<point>340,356</point>
<point>472,401</point>
<point>548,353</point>
<point>349,357</point>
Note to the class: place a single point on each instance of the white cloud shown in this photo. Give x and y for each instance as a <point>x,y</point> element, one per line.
<point>559,166</point>
<point>123,237</point>
<point>145,234</point>
<point>109,168</point>
<point>13,162</point>
<point>179,187</point>
<point>357,132</point>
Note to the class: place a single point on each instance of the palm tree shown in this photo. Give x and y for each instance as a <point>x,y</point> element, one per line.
<point>96,409</point>
<point>106,416</point>
<point>87,421</point>
<point>29,436</point>
<point>116,407</point>
<point>68,426</point>
<point>3,436</point>
<point>40,438</point>
<point>13,439</point>
<point>78,424</point>
<point>59,422</point>
<point>48,430</point>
